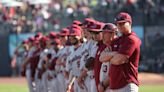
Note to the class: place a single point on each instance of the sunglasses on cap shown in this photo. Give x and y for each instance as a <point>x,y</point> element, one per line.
<point>123,17</point>
<point>96,33</point>
<point>107,27</point>
<point>119,18</point>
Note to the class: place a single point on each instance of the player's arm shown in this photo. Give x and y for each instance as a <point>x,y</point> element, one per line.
<point>59,61</point>
<point>70,82</point>
<point>17,48</point>
<point>124,52</point>
<point>114,57</point>
<point>106,56</point>
<point>81,77</point>
<point>26,60</point>
<point>103,85</point>
<point>118,59</point>
<point>84,73</point>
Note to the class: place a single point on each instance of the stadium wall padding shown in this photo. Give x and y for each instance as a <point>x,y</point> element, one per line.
<point>5,69</point>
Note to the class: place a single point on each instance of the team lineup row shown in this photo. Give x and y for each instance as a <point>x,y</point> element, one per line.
<point>85,57</point>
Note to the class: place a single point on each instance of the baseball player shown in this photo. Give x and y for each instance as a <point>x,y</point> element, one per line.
<point>53,47</point>
<point>61,59</point>
<point>41,80</point>
<point>74,60</point>
<point>53,68</point>
<point>109,34</point>
<point>27,64</point>
<point>26,49</point>
<point>95,30</point>
<point>124,58</point>
<point>93,27</point>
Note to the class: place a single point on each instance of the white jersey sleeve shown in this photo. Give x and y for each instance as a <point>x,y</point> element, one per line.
<point>41,59</point>
<point>104,71</point>
<point>85,54</point>
<point>104,67</point>
<point>69,49</point>
<point>93,48</point>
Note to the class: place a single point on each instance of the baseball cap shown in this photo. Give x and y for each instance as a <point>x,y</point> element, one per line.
<point>76,22</point>
<point>75,32</point>
<point>52,35</point>
<point>87,22</point>
<point>56,42</point>
<point>44,39</point>
<point>110,27</point>
<point>25,41</point>
<point>123,17</point>
<point>64,32</point>
<point>96,26</point>
<point>38,36</point>
<point>31,39</point>
<point>75,26</point>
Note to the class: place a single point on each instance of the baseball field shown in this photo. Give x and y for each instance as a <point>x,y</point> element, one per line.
<point>149,83</point>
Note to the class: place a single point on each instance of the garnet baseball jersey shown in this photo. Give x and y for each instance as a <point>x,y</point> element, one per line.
<point>121,75</point>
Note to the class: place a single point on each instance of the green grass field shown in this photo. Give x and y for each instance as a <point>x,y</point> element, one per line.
<point>23,88</point>
<point>152,88</point>
<point>13,88</point>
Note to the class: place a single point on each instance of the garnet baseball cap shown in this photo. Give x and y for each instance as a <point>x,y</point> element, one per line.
<point>44,39</point>
<point>75,26</point>
<point>96,26</point>
<point>64,32</point>
<point>123,17</point>
<point>56,42</point>
<point>110,27</point>
<point>25,41</point>
<point>31,39</point>
<point>87,22</point>
<point>76,22</point>
<point>38,36</point>
<point>75,32</point>
<point>52,35</point>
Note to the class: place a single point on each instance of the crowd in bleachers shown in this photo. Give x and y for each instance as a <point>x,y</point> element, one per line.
<point>41,17</point>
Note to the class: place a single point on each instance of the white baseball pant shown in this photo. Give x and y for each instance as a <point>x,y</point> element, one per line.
<point>131,87</point>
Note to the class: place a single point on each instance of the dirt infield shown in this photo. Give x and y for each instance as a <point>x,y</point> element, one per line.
<point>145,79</point>
<point>12,80</point>
<point>151,79</point>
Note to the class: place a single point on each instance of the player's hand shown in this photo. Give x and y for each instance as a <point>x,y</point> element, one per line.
<point>80,82</point>
<point>100,88</point>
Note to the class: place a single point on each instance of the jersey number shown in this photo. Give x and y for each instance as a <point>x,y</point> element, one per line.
<point>105,67</point>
